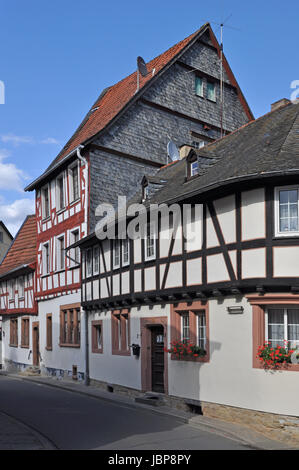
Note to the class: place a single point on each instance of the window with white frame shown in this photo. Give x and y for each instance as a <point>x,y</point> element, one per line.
<point>11,289</point>
<point>60,253</point>
<point>150,242</point>
<point>201,329</point>
<point>116,253</point>
<point>125,252</point>
<point>46,258</point>
<point>45,202</point>
<point>60,202</point>
<point>198,143</point>
<point>21,287</point>
<point>282,325</point>
<point>286,211</point>
<point>88,262</point>
<point>96,260</point>
<point>185,326</point>
<point>75,255</point>
<point>74,182</point>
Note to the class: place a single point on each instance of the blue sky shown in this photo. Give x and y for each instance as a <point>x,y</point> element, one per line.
<point>57,56</point>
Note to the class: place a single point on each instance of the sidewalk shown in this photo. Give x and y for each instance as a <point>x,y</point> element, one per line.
<point>239,433</point>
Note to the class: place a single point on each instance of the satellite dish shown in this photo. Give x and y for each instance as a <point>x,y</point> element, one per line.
<point>172,151</point>
<point>141,65</point>
<point>295,357</point>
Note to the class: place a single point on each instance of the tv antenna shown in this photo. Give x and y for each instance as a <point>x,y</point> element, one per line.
<point>141,69</point>
<point>172,151</point>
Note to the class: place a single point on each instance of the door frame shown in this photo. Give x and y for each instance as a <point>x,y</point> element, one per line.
<point>146,359</point>
<point>35,360</point>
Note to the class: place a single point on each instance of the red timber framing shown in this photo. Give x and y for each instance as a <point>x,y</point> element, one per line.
<point>259,303</point>
<point>60,223</point>
<point>193,309</point>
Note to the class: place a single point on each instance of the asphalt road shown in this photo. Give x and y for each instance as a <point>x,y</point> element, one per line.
<point>73,421</point>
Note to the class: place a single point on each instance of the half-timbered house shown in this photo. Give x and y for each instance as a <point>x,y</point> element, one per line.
<point>18,306</point>
<point>123,136</point>
<point>227,289</point>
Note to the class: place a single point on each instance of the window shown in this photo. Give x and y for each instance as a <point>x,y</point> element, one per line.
<point>25,333</point>
<point>211,91</point>
<point>13,332</point>
<point>286,202</point>
<point>120,332</point>
<point>75,251</point>
<point>282,324</point>
<point>198,86</point>
<point>198,143</point>
<point>1,237</point>
<point>150,242</point>
<point>60,253</point>
<point>96,260</point>
<point>49,333</point>
<point>97,336</point>
<point>185,327</point>
<point>45,202</point>
<point>192,165</point>
<point>11,289</point>
<point>21,287</point>
<point>60,204</point>
<point>145,192</point>
<point>190,323</point>
<point>70,325</point>
<point>116,254</point>
<point>125,252</point>
<point>88,262</point>
<point>74,182</point>
<point>46,259</point>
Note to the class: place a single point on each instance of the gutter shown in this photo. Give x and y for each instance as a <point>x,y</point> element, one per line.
<point>14,270</point>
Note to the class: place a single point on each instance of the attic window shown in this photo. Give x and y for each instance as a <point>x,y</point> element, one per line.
<point>145,192</point>
<point>192,166</point>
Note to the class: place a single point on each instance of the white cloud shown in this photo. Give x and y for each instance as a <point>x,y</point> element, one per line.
<point>11,177</point>
<point>14,214</point>
<point>18,139</point>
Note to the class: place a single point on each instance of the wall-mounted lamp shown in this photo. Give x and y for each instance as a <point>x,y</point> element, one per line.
<point>235,309</point>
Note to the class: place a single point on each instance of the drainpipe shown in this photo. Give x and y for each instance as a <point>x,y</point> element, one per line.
<point>84,162</point>
<point>86,375</point>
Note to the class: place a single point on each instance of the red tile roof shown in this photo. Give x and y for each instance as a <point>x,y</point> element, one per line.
<point>23,249</point>
<point>114,98</point>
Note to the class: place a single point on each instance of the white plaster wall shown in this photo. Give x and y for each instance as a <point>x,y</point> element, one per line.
<point>253,214</point>
<point>229,377</point>
<point>286,261</point>
<point>226,213</point>
<point>115,369</point>
<point>60,357</point>
<point>16,354</point>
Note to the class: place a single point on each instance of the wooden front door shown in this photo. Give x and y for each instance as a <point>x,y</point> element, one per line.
<point>35,343</point>
<point>157,352</point>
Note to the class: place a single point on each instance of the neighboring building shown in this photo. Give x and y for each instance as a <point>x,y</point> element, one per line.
<point>17,304</point>
<point>5,240</point>
<point>235,285</point>
<point>123,136</point>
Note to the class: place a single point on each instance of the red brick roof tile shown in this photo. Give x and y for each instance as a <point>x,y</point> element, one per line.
<point>23,249</point>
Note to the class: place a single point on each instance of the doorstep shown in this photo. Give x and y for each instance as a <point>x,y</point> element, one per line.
<point>232,431</point>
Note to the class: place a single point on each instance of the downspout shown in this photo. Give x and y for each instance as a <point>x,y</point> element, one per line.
<point>86,375</point>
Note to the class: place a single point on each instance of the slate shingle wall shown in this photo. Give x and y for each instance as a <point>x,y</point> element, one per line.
<point>144,131</point>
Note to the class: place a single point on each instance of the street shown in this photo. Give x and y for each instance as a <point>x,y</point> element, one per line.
<point>73,421</point>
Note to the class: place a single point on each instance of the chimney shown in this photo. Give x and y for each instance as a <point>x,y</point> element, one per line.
<point>279,104</point>
<point>184,150</point>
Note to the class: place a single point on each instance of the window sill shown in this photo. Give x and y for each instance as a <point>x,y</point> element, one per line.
<point>46,219</point>
<point>69,345</point>
<point>211,101</point>
<point>190,359</point>
<point>13,345</point>
<point>282,368</point>
<point>97,351</point>
<point>25,346</point>
<point>45,275</point>
<point>117,352</point>
<point>59,271</point>
<point>47,348</point>
<point>60,211</point>
<point>75,201</point>
<point>281,236</point>
<point>75,266</point>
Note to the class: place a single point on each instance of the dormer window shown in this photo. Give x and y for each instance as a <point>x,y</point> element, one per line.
<point>192,165</point>
<point>45,202</point>
<point>145,192</point>
<point>60,193</point>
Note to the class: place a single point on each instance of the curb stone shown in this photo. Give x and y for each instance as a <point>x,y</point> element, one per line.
<point>236,432</point>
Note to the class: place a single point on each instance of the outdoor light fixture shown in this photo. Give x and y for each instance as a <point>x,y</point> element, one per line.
<point>235,309</point>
